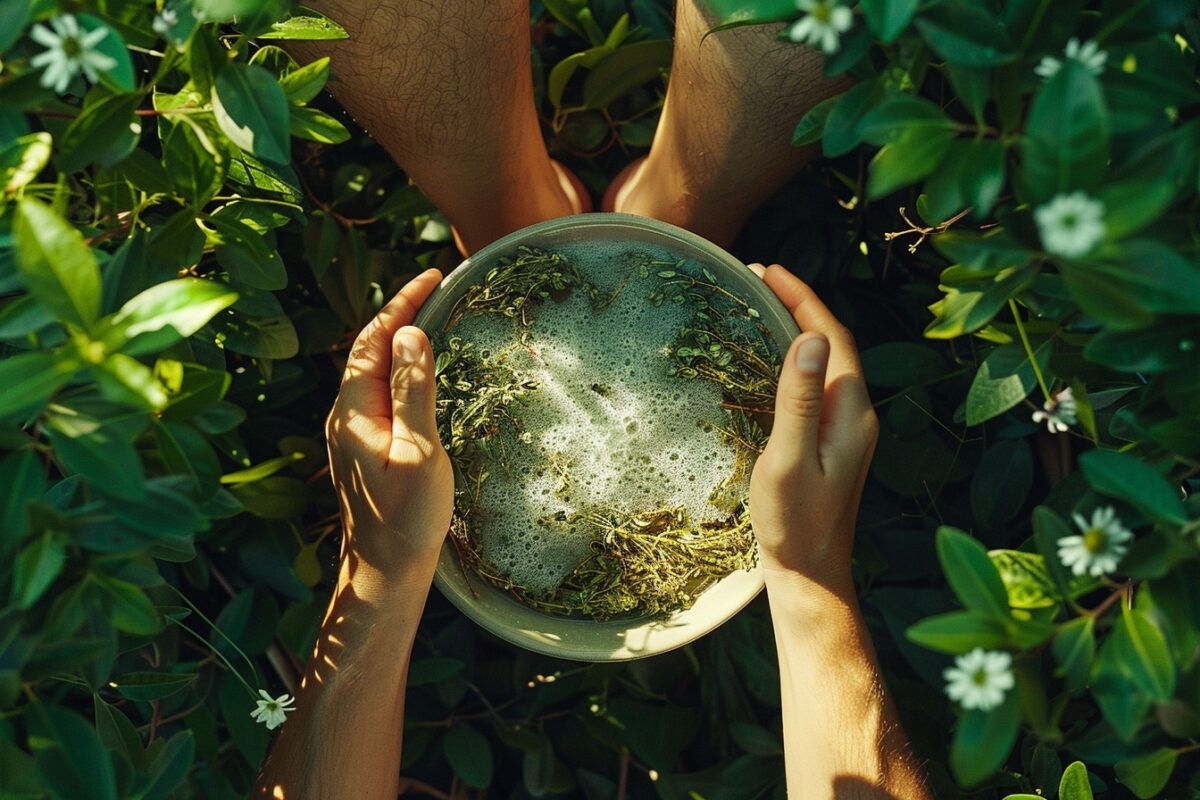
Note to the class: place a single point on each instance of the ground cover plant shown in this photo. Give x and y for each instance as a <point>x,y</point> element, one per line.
<point>190,233</point>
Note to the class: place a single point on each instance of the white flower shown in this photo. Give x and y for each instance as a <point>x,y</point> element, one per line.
<point>1071,225</point>
<point>1089,54</point>
<point>822,24</point>
<point>165,22</point>
<point>1059,412</point>
<point>272,712</point>
<point>68,52</point>
<point>1099,547</point>
<point>979,679</point>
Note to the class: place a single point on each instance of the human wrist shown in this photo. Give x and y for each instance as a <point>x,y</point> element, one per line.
<point>390,587</point>
<point>816,595</point>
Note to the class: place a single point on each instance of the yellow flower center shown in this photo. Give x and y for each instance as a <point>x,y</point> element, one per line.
<point>71,46</point>
<point>1095,540</point>
<point>980,676</point>
<point>822,12</point>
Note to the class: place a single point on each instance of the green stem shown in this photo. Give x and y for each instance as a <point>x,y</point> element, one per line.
<point>1121,19</point>
<point>222,634</point>
<point>1037,370</point>
<point>219,655</point>
<point>1035,23</point>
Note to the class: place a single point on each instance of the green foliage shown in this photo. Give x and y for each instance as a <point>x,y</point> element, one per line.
<point>966,125</point>
<point>184,259</point>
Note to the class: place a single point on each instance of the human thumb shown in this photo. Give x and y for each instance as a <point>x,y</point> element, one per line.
<point>413,388</point>
<point>798,400</point>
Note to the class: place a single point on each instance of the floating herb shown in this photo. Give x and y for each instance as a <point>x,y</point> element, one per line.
<point>651,563</point>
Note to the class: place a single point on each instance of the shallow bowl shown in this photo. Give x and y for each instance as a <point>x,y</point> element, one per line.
<point>617,639</point>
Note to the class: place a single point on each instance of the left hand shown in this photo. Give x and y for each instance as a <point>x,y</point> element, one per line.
<point>394,480</point>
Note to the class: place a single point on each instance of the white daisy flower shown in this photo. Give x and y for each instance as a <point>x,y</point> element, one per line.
<point>272,712</point>
<point>165,22</point>
<point>69,51</point>
<point>1089,54</point>
<point>1059,412</point>
<point>1071,225</point>
<point>1099,547</point>
<point>822,24</point>
<point>979,679</point>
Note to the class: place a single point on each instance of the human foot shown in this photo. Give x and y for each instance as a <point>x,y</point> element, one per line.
<point>574,200</point>
<point>647,189</point>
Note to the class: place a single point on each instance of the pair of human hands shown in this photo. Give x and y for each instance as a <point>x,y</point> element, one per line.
<point>396,485</point>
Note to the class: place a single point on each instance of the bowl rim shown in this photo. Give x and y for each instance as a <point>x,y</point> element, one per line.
<point>583,639</point>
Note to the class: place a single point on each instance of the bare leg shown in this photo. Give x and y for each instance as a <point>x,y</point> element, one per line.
<point>447,89</point>
<point>724,143</point>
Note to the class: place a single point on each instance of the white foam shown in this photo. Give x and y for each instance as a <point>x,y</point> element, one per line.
<point>639,438</point>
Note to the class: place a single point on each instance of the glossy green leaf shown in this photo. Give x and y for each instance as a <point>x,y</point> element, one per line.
<point>1147,775</point>
<point>811,126</point>
<point>1074,648</point>
<point>971,574</point>
<point>119,77</point>
<point>1065,146</point>
<point>903,118</point>
<point>1075,784</point>
<point>469,754</point>
<point>171,766</point>
<point>105,132</point>
<point>983,740</point>
<point>304,84</point>
<point>1128,478</point>
<point>624,70</point>
<point>307,27</point>
<point>561,75</point>
<point>1004,379</point>
<point>911,156</point>
<point>889,18</point>
<point>22,159</point>
<point>735,13</point>
<point>1025,578</point>
<point>36,567</point>
<point>31,379</point>
<point>145,686</point>
<point>56,265</point>
<point>244,252</point>
<point>960,632</point>
<point>165,313</point>
<point>1140,644</point>
<point>316,126</point>
<point>964,33</point>
<point>252,110</point>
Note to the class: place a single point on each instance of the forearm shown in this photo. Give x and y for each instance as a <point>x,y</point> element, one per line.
<point>344,738</point>
<point>841,736</point>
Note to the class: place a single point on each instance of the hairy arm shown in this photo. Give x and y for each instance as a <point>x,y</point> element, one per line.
<point>344,738</point>
<point>396,491</point>
<point>841,735</point>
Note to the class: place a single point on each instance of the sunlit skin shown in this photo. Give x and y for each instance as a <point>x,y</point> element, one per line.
<point>396,489</point>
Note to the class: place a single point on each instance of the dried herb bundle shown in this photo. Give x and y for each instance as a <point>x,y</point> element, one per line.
<point>650,563</point>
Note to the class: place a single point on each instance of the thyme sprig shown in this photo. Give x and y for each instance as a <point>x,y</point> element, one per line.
<point>651,563</point>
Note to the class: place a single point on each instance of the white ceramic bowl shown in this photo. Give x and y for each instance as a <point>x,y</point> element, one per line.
<point>616,639</point>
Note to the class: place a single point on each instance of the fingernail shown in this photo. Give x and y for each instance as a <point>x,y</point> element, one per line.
<point>408,347</point>
<point>811,354</point>
<point>757,269</point>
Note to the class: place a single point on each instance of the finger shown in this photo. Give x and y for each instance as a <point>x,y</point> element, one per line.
<point>368,369</point>
<point>813,315</point>
<point>372,351</point>
<point>413,388</point>
<point>757,269</point>
<point>795,435</point>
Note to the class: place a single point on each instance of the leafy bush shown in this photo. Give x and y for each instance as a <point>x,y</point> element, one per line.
<point>184,258</point>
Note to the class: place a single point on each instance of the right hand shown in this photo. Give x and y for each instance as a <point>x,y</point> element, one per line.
<point>806,485</point>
